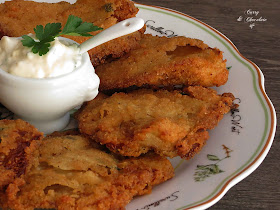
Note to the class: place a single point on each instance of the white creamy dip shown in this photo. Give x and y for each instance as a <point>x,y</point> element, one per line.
<point>19,60</point>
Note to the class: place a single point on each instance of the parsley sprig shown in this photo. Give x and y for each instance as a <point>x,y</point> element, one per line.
<point>73,27</point>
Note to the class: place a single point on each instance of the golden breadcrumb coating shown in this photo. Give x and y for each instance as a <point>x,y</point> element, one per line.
<point>169,123</point>
<point>73,173</point>
<point>162,61</point>
<point>19,17</point>
<point>18,141</point>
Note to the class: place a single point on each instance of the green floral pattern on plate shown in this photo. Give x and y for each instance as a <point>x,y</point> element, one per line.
<point>204,171</point>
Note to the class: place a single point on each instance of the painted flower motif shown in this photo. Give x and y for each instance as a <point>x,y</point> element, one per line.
<point>204,171</point>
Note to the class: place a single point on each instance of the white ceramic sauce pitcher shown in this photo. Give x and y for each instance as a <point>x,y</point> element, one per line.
<point>46,103</point>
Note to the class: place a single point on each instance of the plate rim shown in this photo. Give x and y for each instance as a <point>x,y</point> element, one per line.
<point>269,111</point>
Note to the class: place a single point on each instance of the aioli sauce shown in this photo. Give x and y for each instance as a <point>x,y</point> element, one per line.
<point>19,60</point>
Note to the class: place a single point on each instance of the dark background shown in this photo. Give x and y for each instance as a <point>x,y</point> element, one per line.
<point>260,190</point>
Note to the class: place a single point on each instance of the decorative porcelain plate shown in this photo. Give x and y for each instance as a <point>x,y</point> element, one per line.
<point>236,147</point>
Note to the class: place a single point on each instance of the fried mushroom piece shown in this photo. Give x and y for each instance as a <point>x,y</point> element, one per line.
<point>162,61</point>
<point>19,17</point>
<point>18,143</point>
<point>167,122</point>
<point>74,173</point>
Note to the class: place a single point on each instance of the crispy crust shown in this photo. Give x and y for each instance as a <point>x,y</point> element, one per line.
<point>19,17</point>
<point>169,123</point>
<point>74,175</point>
<point>18,143</point>
<point>162,61</point>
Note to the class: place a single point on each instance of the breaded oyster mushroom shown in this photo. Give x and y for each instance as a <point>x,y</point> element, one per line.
<point>103,13</point>
<point>167,122</point>
<point>162,61</point>
<point>74,173</point>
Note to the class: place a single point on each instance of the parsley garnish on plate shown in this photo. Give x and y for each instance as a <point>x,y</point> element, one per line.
<point>73,27</point>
